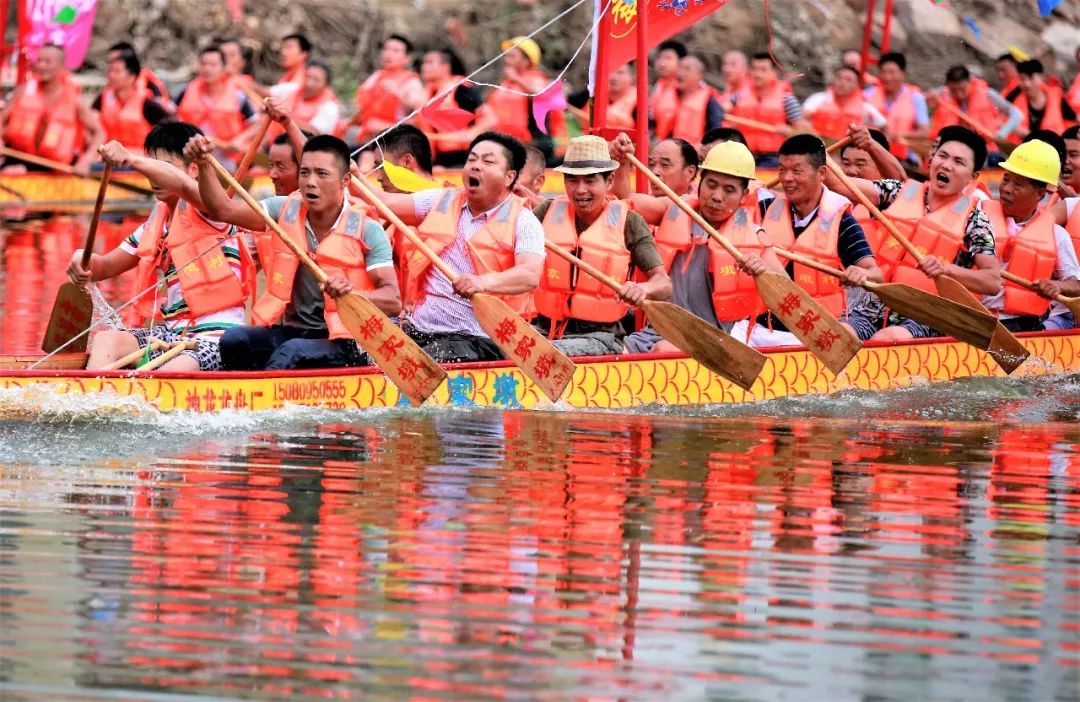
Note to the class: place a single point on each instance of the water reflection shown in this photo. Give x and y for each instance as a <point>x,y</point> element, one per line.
<point>488,555</point>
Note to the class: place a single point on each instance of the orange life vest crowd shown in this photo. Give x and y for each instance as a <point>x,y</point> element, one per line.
<point>916,153</point>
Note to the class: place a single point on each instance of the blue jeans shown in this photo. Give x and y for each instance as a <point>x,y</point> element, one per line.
<point>282,348</point>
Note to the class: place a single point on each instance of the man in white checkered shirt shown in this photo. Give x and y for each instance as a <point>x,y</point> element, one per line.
<point>482,222</point>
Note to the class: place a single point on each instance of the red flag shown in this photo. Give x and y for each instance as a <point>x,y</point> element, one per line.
<point>666,19</point>
<point>450,119</point>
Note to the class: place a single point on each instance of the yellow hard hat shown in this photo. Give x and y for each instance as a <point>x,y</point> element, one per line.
<point>730,157</point>
<point>1036,160</point>
<point>528,47</point>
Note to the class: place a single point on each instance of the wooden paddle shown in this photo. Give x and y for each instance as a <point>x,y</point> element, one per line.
<point>174,349</point>
<point>755,124</point>
<point>527,348</point>
<point>1006,349</point>
<point>711,347</point>
<point>399,357</point>
<point>1006,147</point>
<point>253,148</point>
<point>73,310</point>
<point>64,168</point>
<point>956,320</point>
<point>836,147</point>
<point>154,343</point>
<point>823,334</point>
<point>1072,303</point>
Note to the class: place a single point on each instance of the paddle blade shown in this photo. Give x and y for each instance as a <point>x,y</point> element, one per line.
<point>958,321</point>
<point>823,335</point>
<point>72,313</point>
<point>415,373</point>
<point>527,348</point>
<point>711,347</point>
<point>1005,349</point>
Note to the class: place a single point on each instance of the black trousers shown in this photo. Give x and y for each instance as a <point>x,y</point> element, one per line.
<point>280,348</point>
<point>453,347</point>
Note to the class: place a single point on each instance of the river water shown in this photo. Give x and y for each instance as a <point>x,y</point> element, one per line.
<point>919,544</point>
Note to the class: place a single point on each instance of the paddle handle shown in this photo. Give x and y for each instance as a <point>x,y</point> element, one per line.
<point>587,267</point>
<point>682,205</point>
<point>246,197</point>
<point>39,161</point>
<point>1025,283</point>
<point>836,147</point>
<point>405,229</point>
<point>808,262</point>
<point>975,126</point>
<point>91,233</point>
<point>872,208</point>
<point>253,148</point>
<point>175,349</point>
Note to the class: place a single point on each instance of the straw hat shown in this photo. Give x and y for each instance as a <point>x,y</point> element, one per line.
<point>528,47</point>
<point>587,155</point>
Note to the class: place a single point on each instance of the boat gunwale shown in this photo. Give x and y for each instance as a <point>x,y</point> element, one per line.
<point>477,365</point>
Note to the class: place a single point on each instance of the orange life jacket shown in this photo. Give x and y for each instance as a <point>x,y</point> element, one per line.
<point>832,118</point>
<point>567,293</point>
<point>1072,225</point>
<point>47,127</point>
<point>124,121</point>
<point>207,281</point>
<point>940,233</point>
<point>750,198</point>
<point>735,294</point>
<point>899,117</point>
<point>148,77</point>
<point>1073,98</point>
<point>664,104</point>
<point>743,86</point>
<point>979,107</point>
<point>448,102</point>
<point>221,118</point>
<point>874,233</point>
<point>340,253</point>
<point>1013,84</point>
<point>1053,119</point>
<point>818,241</point>
<point>305,109</point>
<point>491,249</point>
<point>690,120</point>
<point>767,108</point>
<point>620,112</point>
<point>379,97</point>
<point>1030,254</point>
<point>512,110</point>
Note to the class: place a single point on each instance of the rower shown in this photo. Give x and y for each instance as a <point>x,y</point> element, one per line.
<point>1042,105</point>
<point>200,260</point>
<point>579,313</point>
<point>809,218</point>
<point>1073,96</point>
<point>285,148</point>
<point>295,53</point>
<point>296,319</point>
<point>755,189</point>
<point>695,109</point>
<point>531,183</point>
<point>1070,174</point>
<point>852,58</point>
<point>737,73</point>
<point>1030,244</point>
<point>485,234</point>
<point>666,88</point>
<point>215,104</point>
<point>842,104</point>
<point>984,105</point>
<point>443,73</point>
<point>125,107</point>
<point>146,77</point>
<point>45,117</point>
<point>1006,68</point>
<point>622,98</point>
<point>705,278</point>
<point>940,217</point>
<point>315,109</point>
<point>404,146</point>
<point>236,60</point>
<point>674,161</point>
<point>764,99</point>
<point>868,155</point>
<point>903,104</point>
<point>382,98</point>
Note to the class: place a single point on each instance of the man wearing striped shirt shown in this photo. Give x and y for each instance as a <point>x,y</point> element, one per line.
<point>486,235</point>
<point>200,316</point>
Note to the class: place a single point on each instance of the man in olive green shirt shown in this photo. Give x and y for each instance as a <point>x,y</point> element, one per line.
<point>588,175</point>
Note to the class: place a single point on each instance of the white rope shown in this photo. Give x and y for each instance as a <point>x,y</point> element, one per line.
<point>469,78</point>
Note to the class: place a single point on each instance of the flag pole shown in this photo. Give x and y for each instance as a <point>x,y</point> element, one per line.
<point>642,88</point>
<point>600,80</point>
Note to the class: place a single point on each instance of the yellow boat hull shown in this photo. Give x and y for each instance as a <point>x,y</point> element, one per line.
<point>609,383</point>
